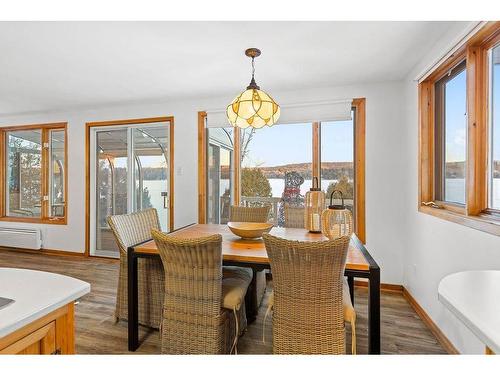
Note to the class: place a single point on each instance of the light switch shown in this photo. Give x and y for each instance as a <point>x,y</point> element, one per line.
<point>179,171</point>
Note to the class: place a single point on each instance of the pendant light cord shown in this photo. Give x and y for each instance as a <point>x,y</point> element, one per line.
<point>253,67</point>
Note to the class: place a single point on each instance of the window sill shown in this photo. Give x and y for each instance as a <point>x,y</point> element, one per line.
<point>484,222</point>
<point>33,220</point>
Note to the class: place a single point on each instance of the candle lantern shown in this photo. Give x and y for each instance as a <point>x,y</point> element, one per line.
<point>314,205</point>
<point>336,220</point>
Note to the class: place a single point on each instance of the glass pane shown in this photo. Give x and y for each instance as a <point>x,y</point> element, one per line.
<point>455,147</point>
<point>24,187</point>
<point>57,173</point>
<point>111,184</point>
<point>337,159</point>
<point>220,174</point>
<point>151,170</point>
<point>276,167</point>
<point>495,129</point>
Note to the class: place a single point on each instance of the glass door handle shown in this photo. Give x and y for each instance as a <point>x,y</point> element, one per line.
<point>164,194</point>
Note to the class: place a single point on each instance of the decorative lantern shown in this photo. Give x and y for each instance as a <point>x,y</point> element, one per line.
<point>314,204</point>
<point>336,221</point>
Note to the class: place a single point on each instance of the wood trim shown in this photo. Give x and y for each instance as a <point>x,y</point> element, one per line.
<point>390,288</point>
<point>202,168</point>
<point>171,170</point>
<point>477,126</point>
<point>484,223</point>
<point>316,150</point>
<point>237,166</point>
<point>474,213</point>
<point>147,120</point>
<point>359,166</point>
<point>135,121</point>
<point>440,336</point>
<point>45,178</point>
<point>49,125</point>
<point>425,143</point>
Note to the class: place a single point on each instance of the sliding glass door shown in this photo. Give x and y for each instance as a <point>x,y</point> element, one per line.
<point>130,172</point>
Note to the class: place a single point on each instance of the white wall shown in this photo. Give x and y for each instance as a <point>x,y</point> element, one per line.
<point>434,247</point>
<point>384,166</point>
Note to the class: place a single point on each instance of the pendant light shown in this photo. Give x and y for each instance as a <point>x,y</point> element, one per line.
<point>336,220</point>
<point>253,107</point>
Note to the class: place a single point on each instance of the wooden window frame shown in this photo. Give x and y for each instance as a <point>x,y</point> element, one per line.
<point>137,121</point>
<point>359,106</point>
<point>475,212</point>
<point>44,218</point>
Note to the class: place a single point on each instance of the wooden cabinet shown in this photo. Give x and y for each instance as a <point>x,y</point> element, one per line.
<point>51,334</point>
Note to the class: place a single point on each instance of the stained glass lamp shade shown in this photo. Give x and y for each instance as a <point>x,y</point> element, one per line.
<point>253,107</point>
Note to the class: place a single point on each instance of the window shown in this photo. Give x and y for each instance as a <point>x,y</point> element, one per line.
<point>337,159</point>
<point>34,176</point>
<point>450,133</point>
<point>220,174</point>
<point>276,165</point>
<point>459,143</point>
<point>494,161</point>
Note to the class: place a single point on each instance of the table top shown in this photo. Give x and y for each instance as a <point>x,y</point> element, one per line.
<point>473,297</point>
<point>254,251</point>
<point>35,294</point>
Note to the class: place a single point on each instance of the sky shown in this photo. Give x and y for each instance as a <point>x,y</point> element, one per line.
<point>287,144</point>
<point>456,119</point>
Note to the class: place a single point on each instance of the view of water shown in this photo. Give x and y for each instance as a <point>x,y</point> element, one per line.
<point>455,192</point>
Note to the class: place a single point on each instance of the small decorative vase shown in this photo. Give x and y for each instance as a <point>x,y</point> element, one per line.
<point>314,205</point>
<point>336,220</point>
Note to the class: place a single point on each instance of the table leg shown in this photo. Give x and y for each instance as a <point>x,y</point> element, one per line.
<point>350,282</point>
<point>374,311</point>
<point>133,308</point>
<point>251,299</point>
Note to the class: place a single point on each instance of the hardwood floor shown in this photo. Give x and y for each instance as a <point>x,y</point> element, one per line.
<point>96,332</point>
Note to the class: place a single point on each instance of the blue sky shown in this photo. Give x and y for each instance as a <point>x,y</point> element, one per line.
<point>455,113</point>
<point>286,144</point>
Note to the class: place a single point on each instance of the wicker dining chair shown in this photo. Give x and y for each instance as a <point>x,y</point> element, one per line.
<point>308,316</point>
<point>130,230</point>
<point>200,311</point>
<point>253,215</point>
<point>294,217</point>
<point>250,214</point>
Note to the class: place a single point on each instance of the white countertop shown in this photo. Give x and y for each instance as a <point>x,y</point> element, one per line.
<point>474,297</point>
<point>36,294</point>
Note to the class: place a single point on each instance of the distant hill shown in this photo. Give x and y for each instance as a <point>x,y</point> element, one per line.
<point>329,170</point>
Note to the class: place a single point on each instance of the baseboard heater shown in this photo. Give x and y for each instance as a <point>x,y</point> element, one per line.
<point>22,238</point>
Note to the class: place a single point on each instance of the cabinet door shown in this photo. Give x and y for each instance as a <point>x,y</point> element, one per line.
<point>41,341</point>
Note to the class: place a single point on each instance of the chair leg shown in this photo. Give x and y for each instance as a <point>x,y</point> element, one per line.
<point>353,336</point>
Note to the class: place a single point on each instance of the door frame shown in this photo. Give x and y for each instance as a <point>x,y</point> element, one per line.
<point>137,121</point>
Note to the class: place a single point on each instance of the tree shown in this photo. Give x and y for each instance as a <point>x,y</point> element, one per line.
<point>254,183</point>
<point>344,185</point>
<point>245,139</point>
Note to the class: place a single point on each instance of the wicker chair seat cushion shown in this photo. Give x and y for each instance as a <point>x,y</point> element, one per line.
<point>349,312</point>
<point>235,282</point>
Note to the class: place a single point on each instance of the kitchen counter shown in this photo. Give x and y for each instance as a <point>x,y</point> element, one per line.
<point>38,297</point>
<point>473,297</point>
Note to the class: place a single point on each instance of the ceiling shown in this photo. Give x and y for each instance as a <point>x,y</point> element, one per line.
<point>66,65</point>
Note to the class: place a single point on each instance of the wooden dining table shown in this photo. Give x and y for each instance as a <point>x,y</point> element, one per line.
<point>252,253</point>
